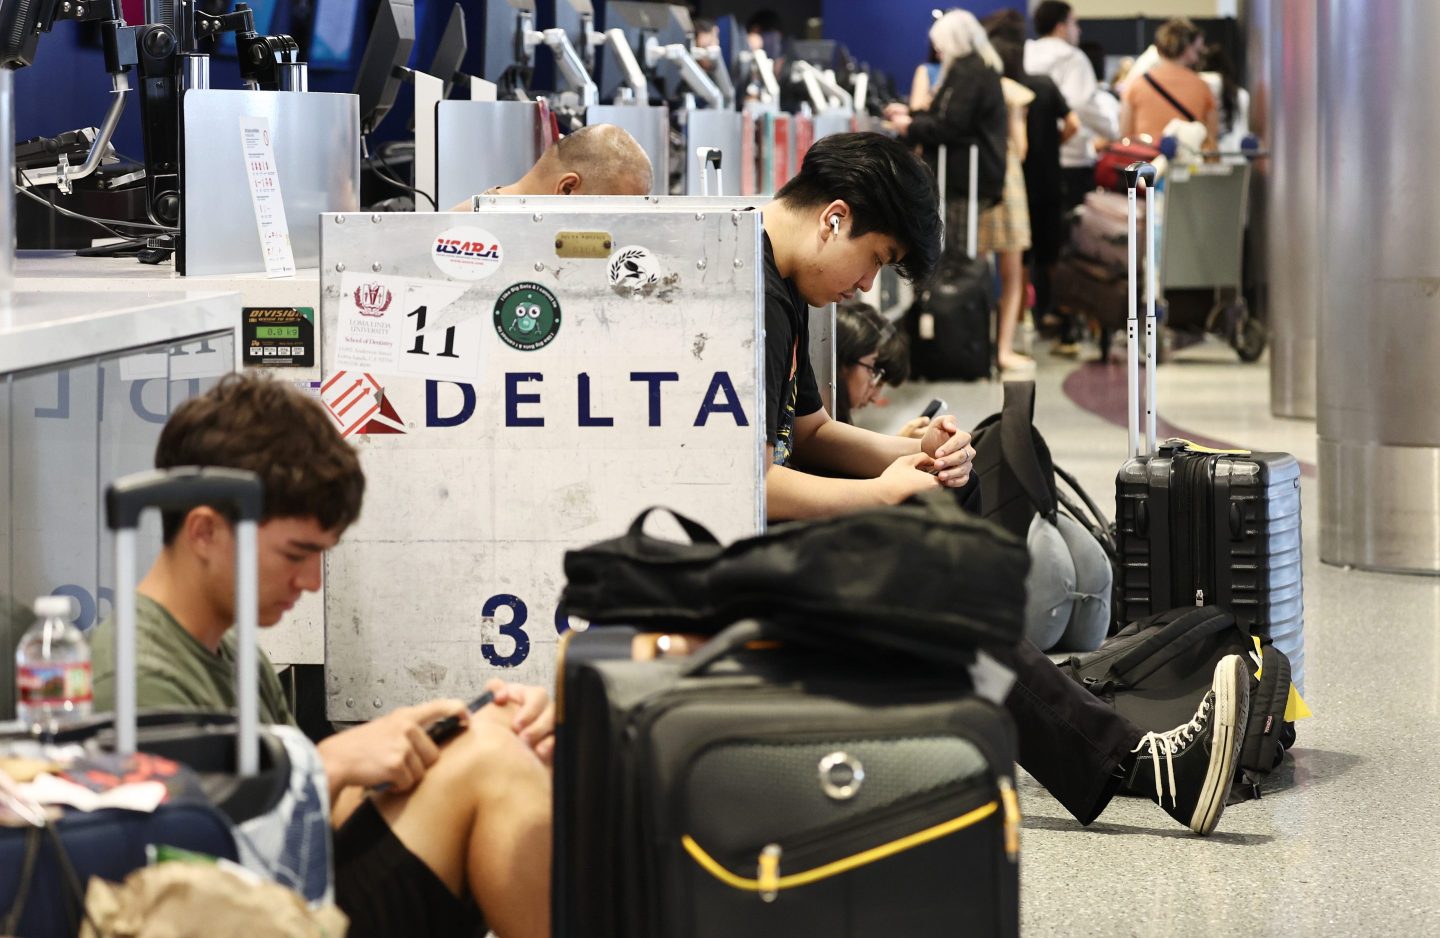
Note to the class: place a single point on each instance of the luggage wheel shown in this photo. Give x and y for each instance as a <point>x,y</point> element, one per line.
<point>1247,334</point>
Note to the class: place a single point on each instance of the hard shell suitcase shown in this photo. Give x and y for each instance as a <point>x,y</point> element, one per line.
<point>265,801</point>
<point>949,323</point>
<point>1196,526</point>
<point>758,790</point>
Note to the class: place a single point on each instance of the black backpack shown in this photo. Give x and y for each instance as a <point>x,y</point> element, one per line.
<point>1017,474</point>
<point>1156,670</point>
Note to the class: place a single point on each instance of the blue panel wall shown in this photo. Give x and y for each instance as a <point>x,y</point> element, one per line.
<point>891,35</point>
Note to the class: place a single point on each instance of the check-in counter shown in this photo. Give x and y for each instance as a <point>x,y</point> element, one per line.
<point>87,380</point>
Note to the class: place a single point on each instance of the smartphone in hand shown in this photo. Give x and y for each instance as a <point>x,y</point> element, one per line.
<point>933,408</point>
<point>442,730</point>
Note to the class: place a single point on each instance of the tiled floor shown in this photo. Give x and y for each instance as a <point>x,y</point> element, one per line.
<point>1346,840</point>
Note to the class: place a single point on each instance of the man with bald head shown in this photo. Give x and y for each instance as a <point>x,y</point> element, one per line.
<point>601,159</point>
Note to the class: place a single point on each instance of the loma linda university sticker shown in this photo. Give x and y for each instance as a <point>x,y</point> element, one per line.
<point>634,271</point>
<point>527,316</point>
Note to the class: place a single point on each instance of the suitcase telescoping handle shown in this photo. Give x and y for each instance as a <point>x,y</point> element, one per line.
<point>708,157</point>
<point>972,204</point>
<point>180,489</point>
<point>1134,174</point>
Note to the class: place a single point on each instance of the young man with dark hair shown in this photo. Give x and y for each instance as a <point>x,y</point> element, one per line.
<point>859,202</point>
<point>862,201</point>
<point>456,827</point>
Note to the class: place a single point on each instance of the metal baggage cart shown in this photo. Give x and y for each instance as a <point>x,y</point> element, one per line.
<point>519,382</point>
<point>1202,247</point>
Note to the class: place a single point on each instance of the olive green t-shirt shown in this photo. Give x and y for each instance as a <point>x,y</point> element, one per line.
<point>174,671</point>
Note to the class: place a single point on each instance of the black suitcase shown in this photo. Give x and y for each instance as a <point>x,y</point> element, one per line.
<point>1196,526</point>
<point>763,790</point>
<point>949,323</point>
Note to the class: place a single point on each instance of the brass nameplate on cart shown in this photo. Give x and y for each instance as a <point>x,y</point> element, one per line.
<point>595,244</point>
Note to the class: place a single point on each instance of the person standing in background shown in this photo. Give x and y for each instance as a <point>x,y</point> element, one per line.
<point>1005,228</point>
<point>926,80</point>
<point>1218,72</point>
<point>1057,55</point>
<point>1170,89</point>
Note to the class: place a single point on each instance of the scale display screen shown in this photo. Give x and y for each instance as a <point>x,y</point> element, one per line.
<point>277,332</point>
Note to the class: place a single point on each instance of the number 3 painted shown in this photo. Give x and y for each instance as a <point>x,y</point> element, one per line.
<point>513,630</point>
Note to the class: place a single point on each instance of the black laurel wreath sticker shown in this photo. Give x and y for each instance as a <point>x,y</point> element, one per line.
<point>626,269</point>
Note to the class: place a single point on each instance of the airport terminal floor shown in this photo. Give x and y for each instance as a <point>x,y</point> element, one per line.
<point>1343,841</point>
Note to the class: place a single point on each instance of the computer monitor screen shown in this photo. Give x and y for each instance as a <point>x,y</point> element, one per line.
<point>637,21</point>
<point>19,32</point>
<point>821,53</point>
<point>332,34</point>
<point>502,50</point>
<point>450,51</point>
<point>392,36</point>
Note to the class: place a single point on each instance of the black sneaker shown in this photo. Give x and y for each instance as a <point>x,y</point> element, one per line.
<point>1191,766</point>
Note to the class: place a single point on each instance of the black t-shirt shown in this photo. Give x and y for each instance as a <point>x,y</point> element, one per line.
<point>1042,126</point>
<point>790,388</point>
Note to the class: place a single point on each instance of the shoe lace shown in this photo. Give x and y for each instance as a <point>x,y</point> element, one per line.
<point>1168,743</point>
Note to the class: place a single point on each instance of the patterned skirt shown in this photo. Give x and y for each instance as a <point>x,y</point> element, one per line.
<point>1006,225</point>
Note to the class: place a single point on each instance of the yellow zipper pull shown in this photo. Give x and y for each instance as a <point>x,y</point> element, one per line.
<point>769,875</point>
<point>1011,801</point>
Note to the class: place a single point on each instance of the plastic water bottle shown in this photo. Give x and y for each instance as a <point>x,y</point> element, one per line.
<point>52,666</point>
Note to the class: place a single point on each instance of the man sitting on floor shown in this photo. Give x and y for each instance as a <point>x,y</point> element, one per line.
<point>859,202</point>
<point>463,825</point>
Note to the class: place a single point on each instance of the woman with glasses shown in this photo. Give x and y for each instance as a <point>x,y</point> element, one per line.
<point>869,353</point>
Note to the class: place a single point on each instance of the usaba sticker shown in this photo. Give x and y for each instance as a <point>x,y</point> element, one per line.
<point>467,253</point>
<point>527,316</point>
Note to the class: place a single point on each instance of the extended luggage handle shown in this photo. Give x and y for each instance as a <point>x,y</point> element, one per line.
<point>180,489</point>
<point>697,532</point>
<point>707,157</point>
<point>972,204</point>
<point>1135,173</point>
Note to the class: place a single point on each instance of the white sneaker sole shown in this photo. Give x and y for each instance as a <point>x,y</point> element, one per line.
<point>1232,711</point>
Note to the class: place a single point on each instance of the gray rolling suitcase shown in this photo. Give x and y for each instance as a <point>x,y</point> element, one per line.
<point>262,798</point>
<point>1196,526</point>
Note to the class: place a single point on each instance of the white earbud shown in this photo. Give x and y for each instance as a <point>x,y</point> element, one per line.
<point>835,223</point>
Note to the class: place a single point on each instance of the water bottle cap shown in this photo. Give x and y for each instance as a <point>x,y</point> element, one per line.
<point>55,607</point>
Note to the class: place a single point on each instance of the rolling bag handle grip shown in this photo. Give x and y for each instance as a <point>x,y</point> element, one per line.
<point>179,489</point>
<point>972,205</point>
<point>709,156</point>
<point>697,532</point>
<point>1134,174</point>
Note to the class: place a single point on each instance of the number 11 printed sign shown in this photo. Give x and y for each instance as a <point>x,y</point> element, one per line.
<point>399,326</point>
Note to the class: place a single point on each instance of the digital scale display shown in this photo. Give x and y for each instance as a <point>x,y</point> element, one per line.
<point>278,336</point>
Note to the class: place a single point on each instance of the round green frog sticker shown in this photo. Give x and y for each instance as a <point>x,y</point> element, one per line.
<point>527,316</point>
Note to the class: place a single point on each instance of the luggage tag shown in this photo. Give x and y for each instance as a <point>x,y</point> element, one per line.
<point>1295,706</point>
